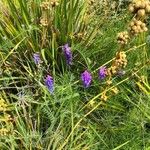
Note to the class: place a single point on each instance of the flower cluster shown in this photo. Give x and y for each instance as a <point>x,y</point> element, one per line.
<point>45,5</point>
<point>118,64</point>
<point>140,7</point>
<point>120,60</point>
<point>113,70</point>
<point>4,131</point>
<point>49,79</point>
<point>86,78</point>
<point>137,26</point>
<point>44,21</point>
<point>123,37</point>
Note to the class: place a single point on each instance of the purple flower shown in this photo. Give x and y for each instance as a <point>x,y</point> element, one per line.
<point>68,54</point>
<point>36,58</point>
<point>49,83</point>
<point>102,72</point>
<point>86,78</point>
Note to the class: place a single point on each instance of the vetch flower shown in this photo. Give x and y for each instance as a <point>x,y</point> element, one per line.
<point>68,54</point>
<point>86,78</point>
<point>36,58</point>
<point>102,72</point>
<point>49,82</point>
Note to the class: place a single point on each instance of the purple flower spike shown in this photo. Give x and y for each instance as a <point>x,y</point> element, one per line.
<point>36,58</point>
<point>86,78</point>
<point>102,72</point>
<point>68,54</point>
<point>49,83</point>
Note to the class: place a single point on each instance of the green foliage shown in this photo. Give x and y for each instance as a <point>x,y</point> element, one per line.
<point>73,118</point>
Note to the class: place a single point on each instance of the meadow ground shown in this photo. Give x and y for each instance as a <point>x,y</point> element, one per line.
<point>74,75</point>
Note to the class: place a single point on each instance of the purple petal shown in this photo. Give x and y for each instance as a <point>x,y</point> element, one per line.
<point>86,78</point>
<point>49,83</point>
<point>102,72</point>
<point>36,58</point>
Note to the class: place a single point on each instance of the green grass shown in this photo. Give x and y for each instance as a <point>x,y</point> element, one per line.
<point>73,118</point>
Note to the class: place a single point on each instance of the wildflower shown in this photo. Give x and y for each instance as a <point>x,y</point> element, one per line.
<point>102,72</point>
<point>86,78</point>
<point>49,83</point>
<point>68,54</point>
<point>36,58</point>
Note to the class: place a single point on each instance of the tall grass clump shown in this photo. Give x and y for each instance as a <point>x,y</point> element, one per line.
<point>74,74</point>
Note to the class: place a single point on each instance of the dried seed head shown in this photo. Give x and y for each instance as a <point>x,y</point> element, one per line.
<point>132,23</point>
<point>141,12</point>
<point>145,29</point>
<point>45,5</point>
<point>143,5</point>
<point>3,105</point>
<point>115,90</point>
<point>119,62</point>
<point>123,37</point>
<point>91,2</point>
<point>137,26</point>
<point>109,82</point>
<point>137,4</point>
<point>54,3</point>
<point>131,8</point>
<point>3,131</point>
<point>138,22</point>
<point>104,96</point>
<point>139,7</point>
<point>147,8</point>
<point>113,69</point>
<point>44,22</point>
<point>108,72</point>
